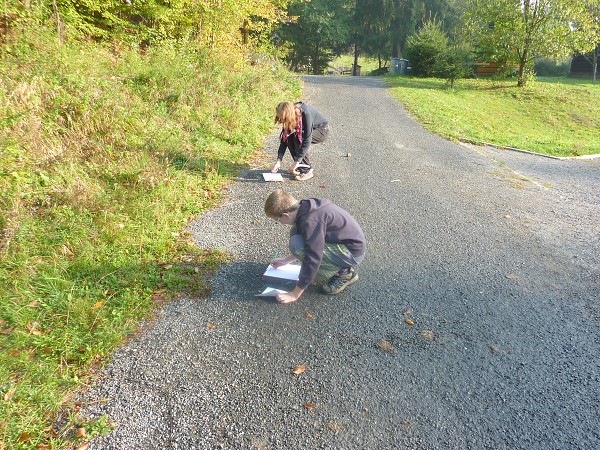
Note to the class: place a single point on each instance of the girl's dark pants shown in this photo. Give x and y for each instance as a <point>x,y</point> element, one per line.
<point>319,135</point>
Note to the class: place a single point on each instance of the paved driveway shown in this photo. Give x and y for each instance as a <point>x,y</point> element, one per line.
<point>493,255</point>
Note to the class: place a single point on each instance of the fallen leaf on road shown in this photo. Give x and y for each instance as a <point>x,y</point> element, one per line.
<point>81,433</point>
<point>308,405</point>
<point>385,346</point>
<point>409,322</point>
<point>211,326</point>
<point>309,315</point>
<point>298,370</point>
<point>427,334</point>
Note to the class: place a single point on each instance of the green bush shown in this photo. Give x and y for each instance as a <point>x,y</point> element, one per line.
<point>549,68</point>
<point>426,47</point>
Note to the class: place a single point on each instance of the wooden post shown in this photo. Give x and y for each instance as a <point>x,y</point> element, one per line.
<point>244,30</point>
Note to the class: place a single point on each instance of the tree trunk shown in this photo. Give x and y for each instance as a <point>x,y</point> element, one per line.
<point>315,60</point>
<point>354,66</point>
<point>521,74</point>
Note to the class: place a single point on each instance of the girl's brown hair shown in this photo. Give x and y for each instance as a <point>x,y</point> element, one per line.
<point>288,114</point>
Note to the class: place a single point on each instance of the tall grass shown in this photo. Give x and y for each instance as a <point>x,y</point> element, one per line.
<point>106,154</point>
<point>553,116</point>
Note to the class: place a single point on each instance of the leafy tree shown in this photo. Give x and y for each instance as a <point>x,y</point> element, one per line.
<point>453,64</point>
<point>316,31</point>
<point>518,31</point>
<point>212,22</point>
<point>588,34</point>
<point>426,47</point>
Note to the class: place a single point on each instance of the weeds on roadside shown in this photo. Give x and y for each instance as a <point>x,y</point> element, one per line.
<point>106,156</point>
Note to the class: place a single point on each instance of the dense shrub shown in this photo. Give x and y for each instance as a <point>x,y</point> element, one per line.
<point>426,47</point>
<point>549,68</point>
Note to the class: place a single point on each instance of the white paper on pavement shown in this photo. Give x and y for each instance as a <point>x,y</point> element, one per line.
<point>287,272</point>
<point>271,292</point>
<point>268,176</point>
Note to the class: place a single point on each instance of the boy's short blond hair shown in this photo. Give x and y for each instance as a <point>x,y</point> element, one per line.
<point>279,202</point>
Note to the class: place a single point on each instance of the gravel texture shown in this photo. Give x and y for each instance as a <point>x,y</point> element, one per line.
<point>492,255</point>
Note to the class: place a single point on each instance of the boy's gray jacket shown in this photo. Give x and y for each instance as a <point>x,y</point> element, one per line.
<point>319,221</point>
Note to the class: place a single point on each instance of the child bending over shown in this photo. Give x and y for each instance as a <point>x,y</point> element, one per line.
<point>324,237</point>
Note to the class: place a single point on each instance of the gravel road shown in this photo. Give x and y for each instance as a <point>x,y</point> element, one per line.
<point>492,255</point>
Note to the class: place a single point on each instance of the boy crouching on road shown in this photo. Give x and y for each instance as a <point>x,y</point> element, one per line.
<point>325,237</point>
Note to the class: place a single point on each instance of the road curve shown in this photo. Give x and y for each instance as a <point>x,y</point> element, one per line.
<point>492,255</point>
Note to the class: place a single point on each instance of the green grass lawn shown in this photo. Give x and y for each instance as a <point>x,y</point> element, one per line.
<point>366,64</point>
<point>553,116</point>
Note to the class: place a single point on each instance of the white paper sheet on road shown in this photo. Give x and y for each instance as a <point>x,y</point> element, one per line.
<point>271,292</point>
<point>287,272</point>
<point>268,176</point>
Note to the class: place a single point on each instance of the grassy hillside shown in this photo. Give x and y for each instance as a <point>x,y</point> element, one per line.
<point>107,153</point>
<point>553,116</point>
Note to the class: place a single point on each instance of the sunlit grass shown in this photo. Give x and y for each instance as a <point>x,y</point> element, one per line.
<point>553,116</point>
<point>105,159</point>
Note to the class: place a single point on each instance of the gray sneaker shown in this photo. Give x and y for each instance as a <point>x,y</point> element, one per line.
<point>338,283</point>
<point>305,176</point>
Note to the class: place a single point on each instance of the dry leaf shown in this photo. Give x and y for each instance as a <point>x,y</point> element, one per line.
<point>159,298</point>
<point>9,394</point>
<point>98,304</point>
<point>33,328</point>
<point>82,446</point>
<point>23,437</point>
<point>309,315</point>
<point>513,277</point>
<point>6,331</point>
<point>14,353</point>
<point>211,326</point>
<point>427,334</point>
<point>110,292</point>
<point>309,405</point>
<point>385,346</point>
<point>409,322</point>
<point>298,370</point>
<point>34,304</point>
<point>42,447</point>
<point>406,312</point>
<point>81,433</point>
<point>2,322</point>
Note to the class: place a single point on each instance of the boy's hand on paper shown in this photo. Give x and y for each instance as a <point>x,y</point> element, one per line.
<point>286,298</point>
<point>289,297</point>
<point>278,262</point>
<point>276,167</point>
